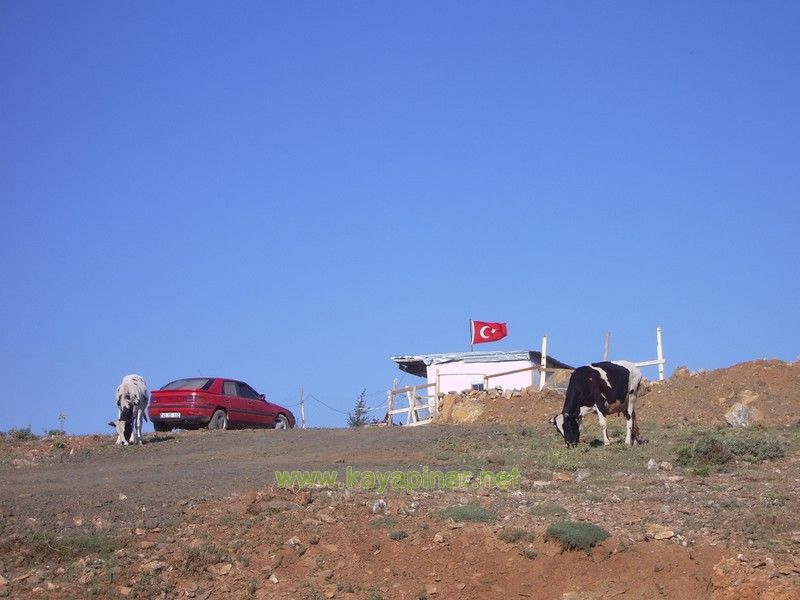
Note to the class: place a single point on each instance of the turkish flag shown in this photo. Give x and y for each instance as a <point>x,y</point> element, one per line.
<point>488,332</point>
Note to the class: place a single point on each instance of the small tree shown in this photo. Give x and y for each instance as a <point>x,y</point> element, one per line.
<point>358,416</point>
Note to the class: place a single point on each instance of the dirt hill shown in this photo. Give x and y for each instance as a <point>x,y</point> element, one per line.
<point>771,387</point>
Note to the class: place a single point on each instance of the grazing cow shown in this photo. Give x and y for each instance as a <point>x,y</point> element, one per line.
<point>131,405</point>
<point>605,388</point>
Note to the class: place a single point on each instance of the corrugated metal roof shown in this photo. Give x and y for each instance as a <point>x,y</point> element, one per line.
<point>418,364</point>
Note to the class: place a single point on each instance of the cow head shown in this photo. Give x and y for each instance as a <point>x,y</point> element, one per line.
<point>569,428</point>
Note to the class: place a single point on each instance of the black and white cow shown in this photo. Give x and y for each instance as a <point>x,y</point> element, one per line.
<point>605,388</point>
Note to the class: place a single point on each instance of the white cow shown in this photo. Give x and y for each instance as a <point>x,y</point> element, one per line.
<point>132,400</point>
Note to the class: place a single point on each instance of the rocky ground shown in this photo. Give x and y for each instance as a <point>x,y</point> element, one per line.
<point>199,515</point>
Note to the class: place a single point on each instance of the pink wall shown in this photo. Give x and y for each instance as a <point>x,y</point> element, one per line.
<point>459,376</point>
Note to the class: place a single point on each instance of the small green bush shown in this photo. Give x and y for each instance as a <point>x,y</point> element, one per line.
<point>715,449</point>
<point>383,522</point>
<point>22,433</point>
<point>575,535</point>
<point>46,547</point>
<point>757,447</point>
<point>398,535</point>
<point>548,509</point>
<point>468,512</point>
<point>512,536</point>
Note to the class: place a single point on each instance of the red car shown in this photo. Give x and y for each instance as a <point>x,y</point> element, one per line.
<point>215,403</point>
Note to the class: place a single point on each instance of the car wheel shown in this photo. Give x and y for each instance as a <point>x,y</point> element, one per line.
<point>162,427</point>
<point>281,422</point>
<point>219,420</point>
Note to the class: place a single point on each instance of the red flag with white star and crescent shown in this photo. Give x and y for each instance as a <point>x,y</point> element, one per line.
<point>483,331</point>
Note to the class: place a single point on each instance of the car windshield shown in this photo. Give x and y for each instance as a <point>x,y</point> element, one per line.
<point>198,383</point>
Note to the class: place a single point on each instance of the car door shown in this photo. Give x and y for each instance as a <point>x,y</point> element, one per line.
<point>238,409</point>
<point>261,413</point>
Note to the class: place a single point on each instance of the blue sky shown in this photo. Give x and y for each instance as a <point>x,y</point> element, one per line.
<point>292,192</point>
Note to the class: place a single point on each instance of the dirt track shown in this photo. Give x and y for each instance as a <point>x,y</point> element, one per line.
<point>197,465</point>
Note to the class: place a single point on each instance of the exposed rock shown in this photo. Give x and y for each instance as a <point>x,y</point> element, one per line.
<point>446,408</point>
<point>747,397</point>
<point>219,569</point>
<point>659,532</point>
<point>743,415</point>
<point>378,506</point>
<point>468,411</point>
<point>652,465</point>
<point>681,371</point>
<point>326,517</point>
<point>153,566</point>
<point>407,510</point>
<point>582,474</point>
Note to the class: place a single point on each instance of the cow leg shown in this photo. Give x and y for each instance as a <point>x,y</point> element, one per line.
<point>138,427</point>
<point>133,427</point>
<point>120,425</point>
<point>633,431</point>
<point>604,424</point>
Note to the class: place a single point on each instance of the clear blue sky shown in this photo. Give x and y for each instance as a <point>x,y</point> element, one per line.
<point>292,192</point>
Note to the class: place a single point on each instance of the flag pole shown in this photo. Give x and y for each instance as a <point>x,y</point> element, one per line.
<point>471,345</point>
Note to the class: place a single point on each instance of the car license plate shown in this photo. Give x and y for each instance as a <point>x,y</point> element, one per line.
<point>170,415</point>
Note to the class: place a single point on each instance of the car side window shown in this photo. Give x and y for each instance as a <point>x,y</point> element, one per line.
<point>248,392</point>
<point>229,388</point>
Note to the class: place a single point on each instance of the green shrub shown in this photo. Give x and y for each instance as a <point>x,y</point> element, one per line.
<point>757,447</point>
<point>714,449</point>
<point>514,535</point>
<point>45,547</point>
<point>575,535</point>
<point>468,512</point>
<point>548,509</point>
<point>198,558</point>
<point>23,433</point>
<point>382,522</point>
<point>398,535</point>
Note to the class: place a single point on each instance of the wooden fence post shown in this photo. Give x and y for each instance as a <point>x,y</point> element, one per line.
<point>543,364</point>
<point>436,391</point>
<point>302,410</point>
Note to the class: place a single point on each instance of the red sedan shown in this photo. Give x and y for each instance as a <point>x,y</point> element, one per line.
<point>216,403</point>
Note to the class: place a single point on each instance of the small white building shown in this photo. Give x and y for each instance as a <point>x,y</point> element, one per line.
<point>459,371</point>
